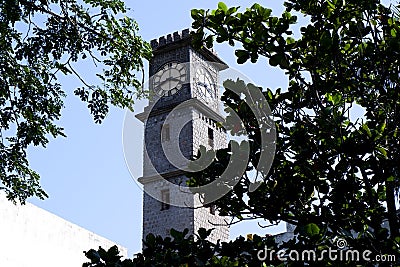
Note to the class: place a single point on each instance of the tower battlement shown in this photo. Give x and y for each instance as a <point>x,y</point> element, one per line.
<point>170,38</point>
<point>173,38</point>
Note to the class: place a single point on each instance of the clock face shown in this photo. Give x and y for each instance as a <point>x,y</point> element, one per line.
<point>169,79</point>
<point>204,84</point>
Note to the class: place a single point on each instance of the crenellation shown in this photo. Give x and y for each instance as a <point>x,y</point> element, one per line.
<point>154,43</point>
<point>169,38</point>
<point>177,36</point>
<point>185,33</point>
<point>162,40</point>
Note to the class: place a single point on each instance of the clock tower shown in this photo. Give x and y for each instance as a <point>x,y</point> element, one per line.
<point>182,115</point>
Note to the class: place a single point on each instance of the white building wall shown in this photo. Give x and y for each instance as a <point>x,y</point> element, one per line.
<point>31,236</point>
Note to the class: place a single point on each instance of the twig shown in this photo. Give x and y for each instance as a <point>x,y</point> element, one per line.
<point>79,77</point>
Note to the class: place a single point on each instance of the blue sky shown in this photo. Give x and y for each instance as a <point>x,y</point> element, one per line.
<point>85,174</point>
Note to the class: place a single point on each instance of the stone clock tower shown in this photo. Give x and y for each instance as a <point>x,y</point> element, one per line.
<point>181,116</point>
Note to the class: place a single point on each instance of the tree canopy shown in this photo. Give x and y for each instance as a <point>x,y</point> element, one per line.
<point>336,168</point>
<point>335,173</point>
<point>41,40</point>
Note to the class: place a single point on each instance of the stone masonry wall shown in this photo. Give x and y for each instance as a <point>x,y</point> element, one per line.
<point>157,151</point>
<point>203,217</point>
<point>158,221</point>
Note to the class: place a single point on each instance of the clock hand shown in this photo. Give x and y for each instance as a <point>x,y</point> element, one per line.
<point>163,82</point>
<point>168,81</point>
<point>209,90</point>
<point>174,79</point>
<point>206,87</point>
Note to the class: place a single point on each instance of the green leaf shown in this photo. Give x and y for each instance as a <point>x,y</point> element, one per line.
<point>382,127</point>
<point>390,179</point>
<point>176,234</point>
<point>231,10</point>
<point>290,40</point>
<point>150,240</point>
<point>204,233</point>
<point>367,130</point>
<point>197,13</point>
<point>287,15</point>
<point>222,6</point>
<point>337,98</point>
<point>382,150</point>
<point>331,5</point>
<point>312,229</point>
<point>242,56</point>
<point>275,60</point>
<point>270,94</point>
<point>326,39</point>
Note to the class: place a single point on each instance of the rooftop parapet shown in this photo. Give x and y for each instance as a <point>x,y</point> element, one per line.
<point>183,37</point>
<point>170,38</point>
